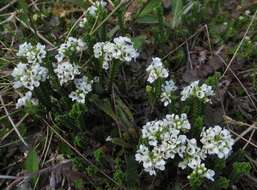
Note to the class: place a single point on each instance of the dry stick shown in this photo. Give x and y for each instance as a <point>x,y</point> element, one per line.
<point>208,37</point>
<point>17,125</point>
<point>251,143</point>
<point>231,121</point>
<point>245,132</point>
<point>12,123</point>
<point>240,44</point>
<point>8,5</point>
<point>40,172</point>
<point>182,44</point>
<point>253,127</point>
<point>35,32</point>
<point>250,138</point>
<point>74,25</point>
<point>81,155</point>
<point>241,84</point>
<point>108,16</point>
<point>7,177</point>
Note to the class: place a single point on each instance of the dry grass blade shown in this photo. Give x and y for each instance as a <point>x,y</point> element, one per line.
<point>81,155</point>
<point>240,44</point>
<point>8,5</point>
<point>12,123</point>
<point>241,84</point>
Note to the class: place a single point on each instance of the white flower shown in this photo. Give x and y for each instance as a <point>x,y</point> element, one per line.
<point>167,88</point>
<point>165,141</point>
<point>33,54</point>
<point>67,48</point>
<point>151,160</point>
<point>92,10</point>
<point>202,92</point>
<point>156,70</point>
<point>26,99</point>
<point>125,49</point>
<point>217,141</point>
<point>247,12</point>
<point>66,72</point>
<point>83,22</point>
<point>77,96</point>
<point>202,171</point>
<point>108,139</point>
<point>120,49</point>
<point>191,154</point>
<point>84,86</point>
<point>29,76</point>
<point>178,122</point>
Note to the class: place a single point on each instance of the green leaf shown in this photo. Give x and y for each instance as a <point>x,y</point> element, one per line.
<point>105,106</point>
<point>121,142</point>
<point>149,8</point>
<point>32,161</point>
<point>138,41</point>
<point>123,113</point>
<point>131,173</point>
<point>148,20</point>
<point>24,11</point>
<point>239,169</point>
<point>220,183</point>
<point>177,12</point>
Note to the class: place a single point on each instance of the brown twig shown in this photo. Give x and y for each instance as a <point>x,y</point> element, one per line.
<point>240,44</point>
<point>12,123</point>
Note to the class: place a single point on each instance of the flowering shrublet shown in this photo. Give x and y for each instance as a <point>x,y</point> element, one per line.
<point>151,160</point>
<point>190,153</point>
<point>29,76</point>
<point>201,171</point>
<point>166,138</point>
<point>121,49</point>
<point>33,54</point>
<point>156,70</point>
<point>92,10</point>
<point>84,86</point>
<point>217,141</point>
<point>167,88</point>
<point>27,98</point>
<point>202,92</point>
<point>67,48</point>
<point>66,71</point>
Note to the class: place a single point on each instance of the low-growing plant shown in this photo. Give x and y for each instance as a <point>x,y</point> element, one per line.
<point>118,102</point>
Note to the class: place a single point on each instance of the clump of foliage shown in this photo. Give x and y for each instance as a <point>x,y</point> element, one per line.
<point>128,94</point>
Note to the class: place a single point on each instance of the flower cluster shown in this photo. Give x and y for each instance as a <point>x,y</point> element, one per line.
<point>167,88</point>
<point>201,171</point>
<point>33,54</point>
<point>29,74</point>
<point>162,141</point>
<point>166,138</point>
<point>66,72</point>
<point>156,70</point>
<point>67,48</point>
<point>92,10</point>
<point>121,49</point>
<point>83,86</point>
<point>202,92</point>
<point>191,154</point>
<point>83,22</point>
<point>26,99</point>
<point>217,141</point>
